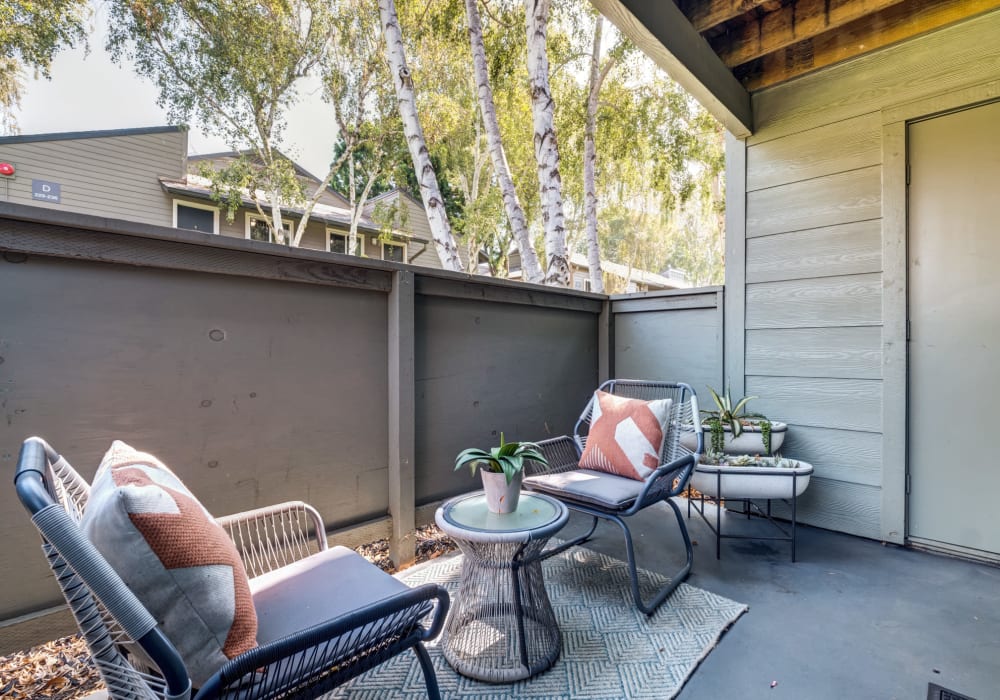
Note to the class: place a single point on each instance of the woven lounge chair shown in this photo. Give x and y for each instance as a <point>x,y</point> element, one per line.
<point>359,615</point>
<point>611,497</point>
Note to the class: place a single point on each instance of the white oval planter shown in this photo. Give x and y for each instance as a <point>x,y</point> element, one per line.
<point>501,497</point>
<point>750,441</point>
<point>721,481</point>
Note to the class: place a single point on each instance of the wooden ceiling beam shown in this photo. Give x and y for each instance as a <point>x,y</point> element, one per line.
<point>791,24</point>
<point>902,21</point>
<point>705,14</point>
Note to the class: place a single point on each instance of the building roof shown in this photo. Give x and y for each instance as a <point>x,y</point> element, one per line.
<point>103,134</point>
<point>299,170</point>
<point>200,188</point>
<point>394,192</point>
<point>632,274</point>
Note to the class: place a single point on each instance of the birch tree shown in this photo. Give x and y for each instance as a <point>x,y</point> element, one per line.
<point>512,205</point>
<point>546,147</point>
<point>236,67</point>
<point>356,81</point>
<point>598,74</point>
<point>430,192</point>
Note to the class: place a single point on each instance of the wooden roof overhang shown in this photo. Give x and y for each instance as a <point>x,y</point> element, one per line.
<point>721,51</point>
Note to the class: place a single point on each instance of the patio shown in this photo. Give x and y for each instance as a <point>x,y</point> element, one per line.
<point>851,618</point>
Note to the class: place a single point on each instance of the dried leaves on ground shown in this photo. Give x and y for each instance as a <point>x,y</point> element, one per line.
<point>62,669</point>
<point>59,670</point>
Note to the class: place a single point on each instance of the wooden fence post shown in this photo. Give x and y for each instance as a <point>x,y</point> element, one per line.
<point>606,343</point>
<point>402,495</point>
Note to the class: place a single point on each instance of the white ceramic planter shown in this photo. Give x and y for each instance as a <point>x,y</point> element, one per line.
<point>501,497</point>
<point>750,441</point>
<point>751,482</point>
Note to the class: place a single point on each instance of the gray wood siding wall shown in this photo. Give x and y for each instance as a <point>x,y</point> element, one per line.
<point>812,259</point>
<point>262,374</point>
<point>112,176</point>
<point>670,336</point>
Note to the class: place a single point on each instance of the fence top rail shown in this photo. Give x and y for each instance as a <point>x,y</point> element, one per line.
<point>690,291</point>
<point>53,236</point>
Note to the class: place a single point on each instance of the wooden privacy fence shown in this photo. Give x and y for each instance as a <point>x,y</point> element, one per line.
<point>674,335</point>
<point>262,374</point>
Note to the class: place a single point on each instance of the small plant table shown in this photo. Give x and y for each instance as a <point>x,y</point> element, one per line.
<point>716,483</point>
<point>501,627</point>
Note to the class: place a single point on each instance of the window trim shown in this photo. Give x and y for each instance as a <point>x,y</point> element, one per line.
<point>406,250</point>
<point>198,205</point>
<point>250,218</point>
<point>345,235</point>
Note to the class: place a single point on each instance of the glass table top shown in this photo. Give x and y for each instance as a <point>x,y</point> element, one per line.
<point>533,512</point>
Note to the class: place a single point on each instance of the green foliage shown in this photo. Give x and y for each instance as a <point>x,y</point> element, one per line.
<point>508,458</point>
<point>245,178</point>
<point>233,66</point>
<point>732,416</point>
<point>31,33</point>
<point>777,461</point>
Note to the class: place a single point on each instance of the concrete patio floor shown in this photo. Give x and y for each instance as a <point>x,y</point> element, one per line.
<point>850,619</point>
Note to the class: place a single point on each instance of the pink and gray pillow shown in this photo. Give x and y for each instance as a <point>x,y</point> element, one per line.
<point>174,556</point>
<point>626,435</point>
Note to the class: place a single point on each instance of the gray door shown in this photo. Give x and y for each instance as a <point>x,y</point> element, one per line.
<point>954,349</point>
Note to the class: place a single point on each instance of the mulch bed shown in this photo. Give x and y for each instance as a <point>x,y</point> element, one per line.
<point>62,669</point>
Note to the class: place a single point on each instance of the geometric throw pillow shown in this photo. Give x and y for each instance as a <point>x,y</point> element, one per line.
<point>174,556</point>
<point>626,435</point>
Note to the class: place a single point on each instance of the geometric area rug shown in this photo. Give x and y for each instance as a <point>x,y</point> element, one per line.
<point>610,650</point>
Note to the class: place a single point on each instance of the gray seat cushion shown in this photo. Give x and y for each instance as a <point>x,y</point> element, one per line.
<point>326,585</point>
<point>588,486</point>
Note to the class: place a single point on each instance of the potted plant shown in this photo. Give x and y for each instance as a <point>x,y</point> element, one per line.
<point>732,430</point>
<point>750,476</point>
<point>502,471</point>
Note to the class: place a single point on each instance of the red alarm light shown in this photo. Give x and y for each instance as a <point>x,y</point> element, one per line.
<point>6,169</point>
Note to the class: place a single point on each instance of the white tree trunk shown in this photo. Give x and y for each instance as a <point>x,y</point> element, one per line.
<point>515,213</point>
<point>546,149</point>
<point>277,227</point>
<point>597,76</point>
<point>444,241</point>
<point>311,204</point>
<point>352,236</point>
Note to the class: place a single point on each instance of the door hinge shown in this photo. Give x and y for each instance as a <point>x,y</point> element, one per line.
<point>907,483</point>
<point>907,173</point>
<point>907,329</point>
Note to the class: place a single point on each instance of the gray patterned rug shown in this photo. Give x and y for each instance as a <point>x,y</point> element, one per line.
<point>609,649</point>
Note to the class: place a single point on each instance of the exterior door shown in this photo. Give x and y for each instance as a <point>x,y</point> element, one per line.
<point>954,348</point>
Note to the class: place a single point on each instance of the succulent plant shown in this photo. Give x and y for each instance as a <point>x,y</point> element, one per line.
<point>508,458</point>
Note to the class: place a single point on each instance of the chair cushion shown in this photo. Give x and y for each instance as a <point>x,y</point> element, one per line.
<point>315,589</point>
<point>626,435</point>
<point>174,556</point>
<point>588,486</point>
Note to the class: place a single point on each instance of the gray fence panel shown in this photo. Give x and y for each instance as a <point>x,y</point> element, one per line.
<point>673,336</point>
<point>253,391</point>
<point>486,367</point>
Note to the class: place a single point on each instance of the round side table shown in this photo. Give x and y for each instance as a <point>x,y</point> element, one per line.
<point>501,627</point>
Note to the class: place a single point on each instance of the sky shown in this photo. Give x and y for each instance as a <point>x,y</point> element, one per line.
<point>90,92</point>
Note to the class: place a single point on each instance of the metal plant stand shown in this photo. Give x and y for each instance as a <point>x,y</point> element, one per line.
<point>750,506</point>
<point>501,627</point>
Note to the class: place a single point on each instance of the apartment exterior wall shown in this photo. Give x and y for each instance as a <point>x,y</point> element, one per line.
<point>112,175</point>
<point>816,267</point>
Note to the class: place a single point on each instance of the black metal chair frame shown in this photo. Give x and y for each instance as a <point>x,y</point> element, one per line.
<point>119,630</point>
<point>669,480</point>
